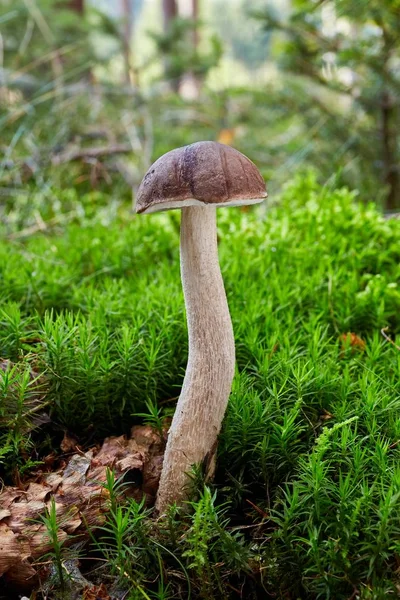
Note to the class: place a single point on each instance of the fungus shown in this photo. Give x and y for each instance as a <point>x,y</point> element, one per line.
<point>198,179</point>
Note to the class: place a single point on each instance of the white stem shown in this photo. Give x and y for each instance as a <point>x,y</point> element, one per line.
<point>201,406</point>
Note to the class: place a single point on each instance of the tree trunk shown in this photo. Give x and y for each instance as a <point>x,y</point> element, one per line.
<point>195,16</point>
<point>77,6</point>
<point>127,36</point>
<point>191,83</point>
<point>170,12</point>
<point>195,41</point>
<point>389,143</point>
<point>389,117</point>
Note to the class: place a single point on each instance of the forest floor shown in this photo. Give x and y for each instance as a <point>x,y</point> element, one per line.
<point>305,503</point>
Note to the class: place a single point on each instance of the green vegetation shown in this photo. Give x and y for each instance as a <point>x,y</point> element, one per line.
<point>306,499</point>
<point>322,90</point>
<point>344,56</point>
<point>309,451</point>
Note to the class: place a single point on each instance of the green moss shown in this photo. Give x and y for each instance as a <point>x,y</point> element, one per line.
<point>309,450</point>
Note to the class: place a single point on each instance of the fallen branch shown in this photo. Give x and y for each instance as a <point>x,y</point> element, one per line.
<point>42,225</point>
<point>87,153</point>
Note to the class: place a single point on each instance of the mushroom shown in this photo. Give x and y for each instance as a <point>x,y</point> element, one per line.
<point>197,179</point>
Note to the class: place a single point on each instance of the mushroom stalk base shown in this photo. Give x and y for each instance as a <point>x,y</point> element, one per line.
<point>201,406</point>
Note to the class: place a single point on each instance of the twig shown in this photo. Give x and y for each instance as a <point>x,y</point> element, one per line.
<point>388,339</point>
<point>29,413</point>
<point>258,509</point>
<point>40,222</point>
<point>42,59</point>
<point>41,226</point>
<point>72,155</point>
<point>5,191</point>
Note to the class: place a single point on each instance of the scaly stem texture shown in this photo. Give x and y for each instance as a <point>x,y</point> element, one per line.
<point>201,406</point>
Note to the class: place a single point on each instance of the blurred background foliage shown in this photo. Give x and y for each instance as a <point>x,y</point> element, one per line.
<point>91,92</point>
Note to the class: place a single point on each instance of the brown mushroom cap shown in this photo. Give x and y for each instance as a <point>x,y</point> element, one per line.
<point>202,173</point>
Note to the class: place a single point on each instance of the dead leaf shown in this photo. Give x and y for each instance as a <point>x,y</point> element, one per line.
<point>81,500</point>
<point>353,341</point>
<point>274,349</point>
<point>151,475</point>
<point>37,491</point>
<point>50,459</point>
<point>96,592</point>
<point>130,462</point>
<point>326,416</point>
<point>69,443</point>
<point>5,364</point>
<point>226,136</point>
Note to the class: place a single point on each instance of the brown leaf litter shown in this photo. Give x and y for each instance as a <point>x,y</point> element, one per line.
<point>353,342</point>
<point>80,497</point>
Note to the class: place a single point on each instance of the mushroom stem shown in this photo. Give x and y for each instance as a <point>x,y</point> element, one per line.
<point>202,403</point>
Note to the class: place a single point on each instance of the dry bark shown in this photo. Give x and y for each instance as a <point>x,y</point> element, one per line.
<point>80,497</point>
